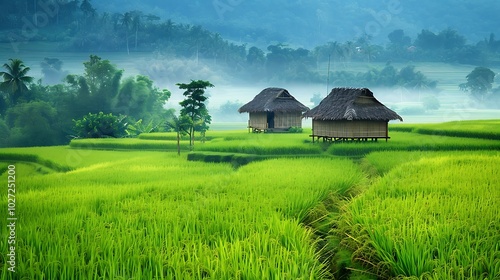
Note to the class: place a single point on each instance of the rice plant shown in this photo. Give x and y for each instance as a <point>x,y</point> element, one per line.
<point>127,143</point>
<point>487,129</point>
<point>129,209</point>
<point>383,162</point>
<point>154,215</point>
<point>402,141</point>
<point>263,144</point>
<point>435,218</point>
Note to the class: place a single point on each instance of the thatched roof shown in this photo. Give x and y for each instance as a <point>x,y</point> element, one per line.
<point>352,104</point>
<point>273,100</point>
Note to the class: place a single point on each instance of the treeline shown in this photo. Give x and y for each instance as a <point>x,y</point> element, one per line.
<point>33,114</point>
<point>78,26</point>
<point>406,77</point>
<point>101,103</point>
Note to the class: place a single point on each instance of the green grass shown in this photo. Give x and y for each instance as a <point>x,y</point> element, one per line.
<point>133,209</point>
<point>235,159</point>
<point>127,144</point>
<point>218,141</point>
<point>435,218</point>
<point>404,141</point>
<point>478,135</point>
<point>487,129</point>
<point>383,162</point>
<point>72,158</point>
<point>262,146</point>
<point>170,136</point>
<point>3,167</point>
<point>5,156</point>
<point>160,216</point>
<point>237,134</point>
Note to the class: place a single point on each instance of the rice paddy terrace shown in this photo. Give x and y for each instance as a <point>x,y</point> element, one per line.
<point>424,205</point>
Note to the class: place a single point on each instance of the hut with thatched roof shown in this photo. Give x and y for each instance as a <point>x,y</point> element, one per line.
<point>274,109</point>
<point>351,113</point>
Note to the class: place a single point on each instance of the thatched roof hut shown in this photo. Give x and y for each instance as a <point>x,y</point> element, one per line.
<point>274,109</point>
<point>351,113</point>
<point>351,104</point>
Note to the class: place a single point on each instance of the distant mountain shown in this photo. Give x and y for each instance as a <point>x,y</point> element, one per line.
<point>310,23</point>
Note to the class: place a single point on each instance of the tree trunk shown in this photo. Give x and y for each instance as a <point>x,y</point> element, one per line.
<point>128,50</point>
<point>136,31</point>
<point>191,144</point>
<point>178,143</point>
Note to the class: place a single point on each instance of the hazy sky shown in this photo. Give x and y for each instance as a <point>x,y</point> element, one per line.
<point>309,23</point>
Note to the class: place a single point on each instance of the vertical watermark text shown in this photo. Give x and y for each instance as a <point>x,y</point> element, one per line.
<point>11,217</point>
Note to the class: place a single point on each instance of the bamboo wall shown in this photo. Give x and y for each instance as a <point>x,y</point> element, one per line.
<point>281,120</point>
<point>287,120</point>
<point>258,120</point>
<point>350,129</point>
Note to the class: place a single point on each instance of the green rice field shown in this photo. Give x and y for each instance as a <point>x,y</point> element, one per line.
<point>423,205</point>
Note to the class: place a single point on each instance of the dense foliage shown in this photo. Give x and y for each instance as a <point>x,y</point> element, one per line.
<point>388,76</point>
<point>87,105</point>
<point>479,84</point>
<point>100,126</point>
<point>194,108</point>
<point>191,49</point>
<point>15,79</point>
<point>306,23</point>
<point>80,26</point>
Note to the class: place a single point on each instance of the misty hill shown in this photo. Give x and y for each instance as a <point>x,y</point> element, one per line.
<point>257,40</point>
<point>309,23</point>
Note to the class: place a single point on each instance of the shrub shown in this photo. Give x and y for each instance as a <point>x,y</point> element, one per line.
<point>295,129</point>
<point>99,126</point>
<point>32,124</point>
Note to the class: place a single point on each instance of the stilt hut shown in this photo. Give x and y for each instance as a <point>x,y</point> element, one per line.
<point>351,113</point>
<point>274,109</point>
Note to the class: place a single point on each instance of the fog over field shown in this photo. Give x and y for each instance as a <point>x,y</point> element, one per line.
<point>166,72</point>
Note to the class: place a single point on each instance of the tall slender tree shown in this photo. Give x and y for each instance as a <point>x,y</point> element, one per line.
<point>15,79</point>
<point>136,23</point>
<point>193,107</point>
<point>127,21</point>
<point>181,126</point>
<point>89,13</point>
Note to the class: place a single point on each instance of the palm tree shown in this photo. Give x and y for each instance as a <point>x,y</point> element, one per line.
<point>89,13</point>
<point>136,23</point>
<point>126,21</point>
<point>15,79</point>
<point>181,126</point>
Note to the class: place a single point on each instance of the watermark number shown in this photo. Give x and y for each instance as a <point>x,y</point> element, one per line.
<point>11,217</point>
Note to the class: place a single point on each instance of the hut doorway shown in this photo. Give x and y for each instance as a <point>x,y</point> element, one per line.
<point>270,119</point>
